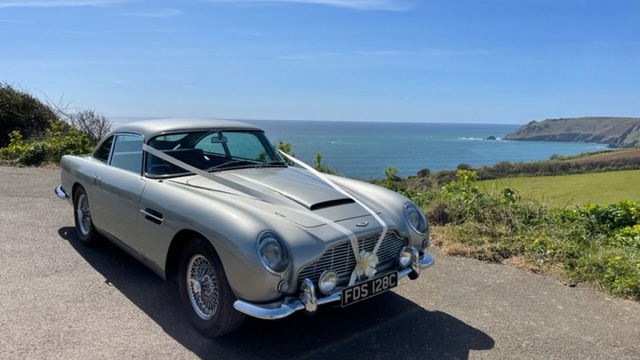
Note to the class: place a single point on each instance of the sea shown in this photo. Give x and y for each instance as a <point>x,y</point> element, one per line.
<point>363,150</point>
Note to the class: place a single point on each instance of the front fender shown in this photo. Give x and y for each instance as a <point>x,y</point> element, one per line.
<point>388,202</point>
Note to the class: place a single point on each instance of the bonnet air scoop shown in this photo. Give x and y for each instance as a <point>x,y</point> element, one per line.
<point>331,203</point>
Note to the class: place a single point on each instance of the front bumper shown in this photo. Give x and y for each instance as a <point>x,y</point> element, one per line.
<point>61,193</point>
<point>308,300</point>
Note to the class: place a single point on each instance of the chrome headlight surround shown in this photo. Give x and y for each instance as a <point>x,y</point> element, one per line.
<point>328,281</point>
<point>405,257</point>
<point>415,218</point>
<point>272,252</point>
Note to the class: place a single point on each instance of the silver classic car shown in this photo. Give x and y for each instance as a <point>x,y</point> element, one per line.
<point>215,205</point>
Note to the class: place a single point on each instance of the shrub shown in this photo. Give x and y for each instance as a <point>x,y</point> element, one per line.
<point>90,123</point>
<point>58,140</point>
<point>21,112</point>
<point>286,148</point>
<point>319,165</point>
<point>391,179</point>
<point>599,244</point>
<point>35,154</point>
<point>15,149</point>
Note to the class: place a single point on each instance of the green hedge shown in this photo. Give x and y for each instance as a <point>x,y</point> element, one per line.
<point>59,139</point>
<point>598,244</point>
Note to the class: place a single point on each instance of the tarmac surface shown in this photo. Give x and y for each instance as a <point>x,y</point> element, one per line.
<point>62,300</point>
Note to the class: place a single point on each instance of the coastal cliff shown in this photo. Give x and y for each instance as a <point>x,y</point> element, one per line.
<point>613,131</point>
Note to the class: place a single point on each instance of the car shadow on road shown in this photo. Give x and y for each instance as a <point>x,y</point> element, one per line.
<point>385,327</point>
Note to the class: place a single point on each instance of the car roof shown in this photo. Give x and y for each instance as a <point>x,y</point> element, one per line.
<point>151,128</point>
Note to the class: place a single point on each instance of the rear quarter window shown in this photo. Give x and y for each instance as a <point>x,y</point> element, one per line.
<point>102,153</point>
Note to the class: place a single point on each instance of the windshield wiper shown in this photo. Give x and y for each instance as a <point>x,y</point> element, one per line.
<point>220,166</point>
<point>270,163</point>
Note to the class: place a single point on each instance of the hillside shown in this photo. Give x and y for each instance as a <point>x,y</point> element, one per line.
<point>613,131</point>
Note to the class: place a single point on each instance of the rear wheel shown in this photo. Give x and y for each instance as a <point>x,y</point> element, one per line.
<point>206,295</point>
<point>84,224</point>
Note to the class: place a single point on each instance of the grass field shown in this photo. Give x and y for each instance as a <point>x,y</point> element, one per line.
<point>580,189</point>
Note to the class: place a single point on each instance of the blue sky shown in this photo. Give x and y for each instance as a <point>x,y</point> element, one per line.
<point>489,61</point>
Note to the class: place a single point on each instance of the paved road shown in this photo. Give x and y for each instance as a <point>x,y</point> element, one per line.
<point>59,299</point>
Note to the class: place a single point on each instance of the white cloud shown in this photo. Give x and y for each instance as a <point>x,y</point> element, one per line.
<point>56,3</point>
<point>392,5</point>
<point>161,13</point>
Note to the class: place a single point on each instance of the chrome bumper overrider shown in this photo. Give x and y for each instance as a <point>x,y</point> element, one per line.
<point>308,300</point>
<point>61,193</point>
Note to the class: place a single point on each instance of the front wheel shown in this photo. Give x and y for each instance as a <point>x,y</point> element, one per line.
<point>206,295</point>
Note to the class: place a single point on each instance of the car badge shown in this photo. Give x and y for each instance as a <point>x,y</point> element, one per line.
<point>362,224</point>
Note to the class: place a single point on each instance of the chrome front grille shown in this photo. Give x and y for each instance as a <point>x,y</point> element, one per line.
<point>341,259</point>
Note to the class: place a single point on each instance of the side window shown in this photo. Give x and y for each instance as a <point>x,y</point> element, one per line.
<point>102,153</point>
<point>127,153</point>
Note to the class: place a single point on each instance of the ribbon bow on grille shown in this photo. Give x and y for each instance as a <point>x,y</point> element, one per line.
<point>367,264</point>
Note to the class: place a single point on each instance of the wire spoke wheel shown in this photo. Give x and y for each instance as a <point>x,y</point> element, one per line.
<point>202,286</point>
<point>83,214</point>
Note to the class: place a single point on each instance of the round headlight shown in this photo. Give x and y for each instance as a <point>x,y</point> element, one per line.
<point>272,252</point>
<point>414,216</point>
<point>328,281</point>
<point>405,256</point>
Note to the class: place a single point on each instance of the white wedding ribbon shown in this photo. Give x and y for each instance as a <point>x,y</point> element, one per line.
<point>233,188</point>
<point>322,177</point>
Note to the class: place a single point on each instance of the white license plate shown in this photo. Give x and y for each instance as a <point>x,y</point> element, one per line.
<point>369,288</point>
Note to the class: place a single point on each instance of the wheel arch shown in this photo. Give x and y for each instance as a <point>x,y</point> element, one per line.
<point>75,187</point>
<point>178,243</point>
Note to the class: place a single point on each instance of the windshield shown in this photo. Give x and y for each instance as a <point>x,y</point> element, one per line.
<point>216,150</point>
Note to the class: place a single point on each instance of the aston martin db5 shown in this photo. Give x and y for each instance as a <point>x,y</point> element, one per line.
<point>245,229</point>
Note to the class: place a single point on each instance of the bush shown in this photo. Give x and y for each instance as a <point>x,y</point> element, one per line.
<point>286,148</point>
<point>21,112</point>
<point>424,172</point>
<point>36,154</point>
<point>391,179</point>
<point>58,140</point>
<point>599,244</point>
<point>66,140</point>
<point>319,165</point>
<point>90,123</point>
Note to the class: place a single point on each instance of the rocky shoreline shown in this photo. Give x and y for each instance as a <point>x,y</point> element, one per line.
<point>614,132</point>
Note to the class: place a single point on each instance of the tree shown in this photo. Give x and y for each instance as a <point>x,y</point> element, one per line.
<point>391,179</point>
<point>319,165</point>
<point>87,121</point>
<point>90,123</point>
<point>286,148</point>
<point>22,112</point>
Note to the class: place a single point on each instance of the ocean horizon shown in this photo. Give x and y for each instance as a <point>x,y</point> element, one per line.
<point>363,150</point>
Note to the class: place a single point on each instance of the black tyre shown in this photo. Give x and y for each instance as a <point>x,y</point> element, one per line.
<point>206,295</point>
<point>82,214</point>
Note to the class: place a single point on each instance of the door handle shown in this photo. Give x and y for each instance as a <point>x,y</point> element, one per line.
<point>152,215</point>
